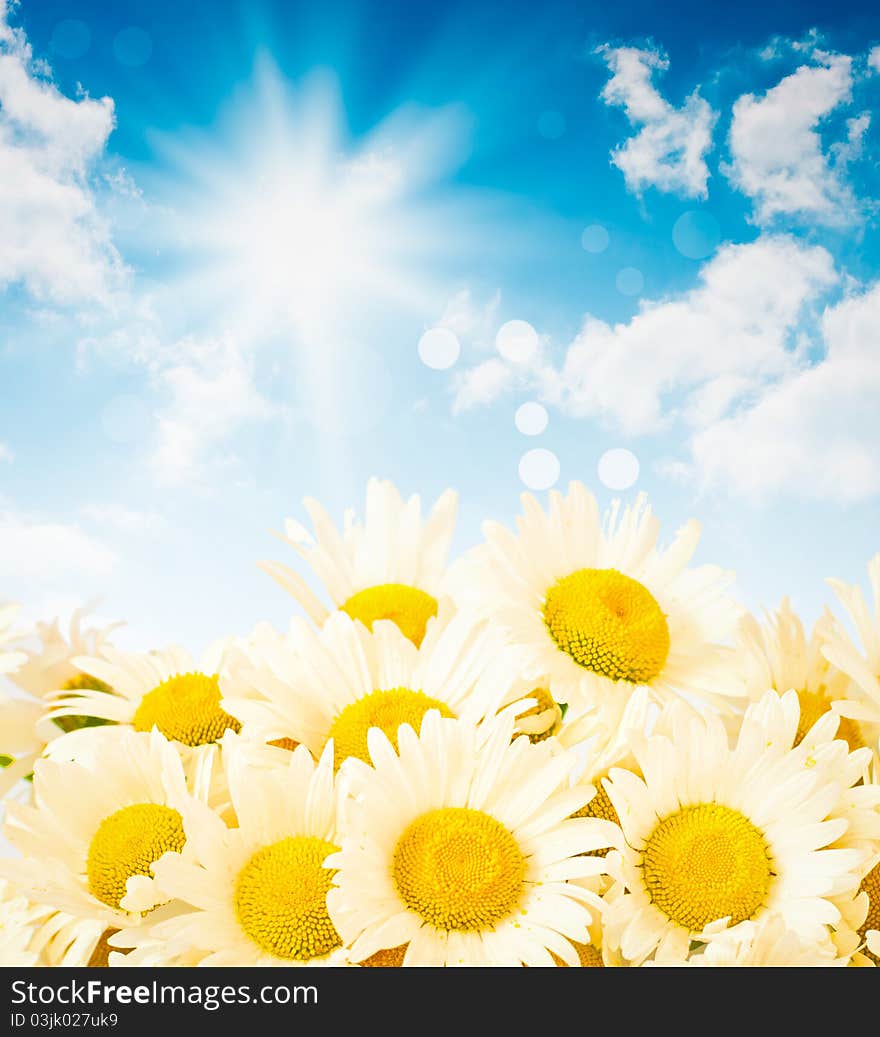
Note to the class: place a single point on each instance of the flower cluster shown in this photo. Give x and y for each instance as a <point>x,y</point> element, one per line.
<point>568,747</point>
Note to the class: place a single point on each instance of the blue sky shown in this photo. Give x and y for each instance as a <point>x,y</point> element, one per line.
<point>226,228</point>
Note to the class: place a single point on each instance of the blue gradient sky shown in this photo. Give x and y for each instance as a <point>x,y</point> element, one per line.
<point>119,476</point>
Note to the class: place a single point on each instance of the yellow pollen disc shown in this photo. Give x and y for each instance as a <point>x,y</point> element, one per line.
<point>185,708</point>
<point>409,607</point>
<point>128,843</point>
<point>281,898</point>
<point>707,862</point>
<point>609,624</point>
<point>590,957</point>
<point>814,705</point>
<point>871,886</point>
<point>392,958</point>
<point>599,806</point>
<point>544,703</point>
<point>384,709</point>
<point>459,869</point>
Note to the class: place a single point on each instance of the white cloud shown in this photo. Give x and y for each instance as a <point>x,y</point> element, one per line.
<point>874,59</point>
<point>212,393</point>
<point>33,549</point>
<point>776,147</point>
<point>52,238</point>
<point>481,385</point>
<point>669,150</point>
<point>850,150</point>
<point>471,320</point>
<point>125,519</point>
<point>693,356</point>
<point>770,389</point>
<point>6,453</point>
<point>815,433</point>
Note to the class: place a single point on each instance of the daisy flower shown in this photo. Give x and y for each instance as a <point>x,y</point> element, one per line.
<point>460,848</point>
<point>860,911</point>
<point>779,655</point>
<point>338,682</point>
<point>66,940</point>
<point>18,921</point>
<point>862,665</point>
<point>602,751</point>
<point>255,894</point>
<point>766,944</point>
<point>47,668</point>
<point>600,609</point>
<point>390,566</point>
<point>542,716</point>
<point>50,667</point>
<point>167,690</point>
<point>17,717</point>
<point>9,660</point>
<point>861,908</point>
<point>719,835</point>
<point>98,825</point>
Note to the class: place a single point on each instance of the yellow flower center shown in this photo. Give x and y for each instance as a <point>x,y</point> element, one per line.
<point>541,720</point>
<point>83,682</point>
<point>392,958</point>
<point>383,709</point>
<point>409,607</point>
<point>599,806</point>
<point>609,624</point>
<point>814,705</point>
<point>590,956</point>
<point>707,862</point>
<point>128,843</point>
<point>459,869</point>
<point>185,708</point>
<point>281,898</point>
<point>871,886</point>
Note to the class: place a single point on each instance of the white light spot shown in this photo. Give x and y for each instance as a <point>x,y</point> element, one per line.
<point>539,468</point>
<point>630,281</point>
<point>132,47</point>
<point>696,234</point>
<point>618,469</point>
<point>439,348</point>
<point>517,341</point>
<point>595,238</point>
<point>531,418</point>
<point>551,125</point>
<point>70,39</point>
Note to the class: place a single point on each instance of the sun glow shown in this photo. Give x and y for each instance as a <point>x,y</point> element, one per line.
<point>290,226</point>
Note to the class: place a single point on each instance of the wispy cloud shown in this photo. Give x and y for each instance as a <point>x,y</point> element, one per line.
<point>687,357</point>
<point>769,388</point>
<point>6,453</point>
<point>669,150</point>
<point>32,548</point>
<point>211,393</point>
<point>124,519</point>
<point>472,320</point>
<point>813,434</point>
<point>53,240</point>
<point>777,153</point>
